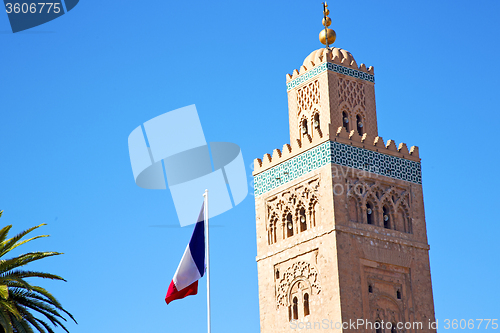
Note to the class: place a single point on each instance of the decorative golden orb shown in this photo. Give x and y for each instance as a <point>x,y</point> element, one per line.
<point>328,22</point>
<point>331,36</point>
<point>327,11</point>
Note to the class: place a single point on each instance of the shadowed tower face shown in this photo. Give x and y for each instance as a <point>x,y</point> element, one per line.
<point>341,231</point>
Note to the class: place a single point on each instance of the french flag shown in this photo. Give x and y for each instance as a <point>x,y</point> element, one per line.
<point>192,266</point>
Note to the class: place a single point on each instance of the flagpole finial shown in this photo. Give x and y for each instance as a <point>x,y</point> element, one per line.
<point>327,36</point>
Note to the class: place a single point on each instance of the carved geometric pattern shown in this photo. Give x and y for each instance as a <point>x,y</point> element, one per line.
<point>298,271</point>
<point>395,199</point>
<point>293,168</point>
<point>330,67</point>
<point>351,92</point>
<point>302,196</point>
<point>307,96</point>
<point>375,162</point>
<point>340,154</point>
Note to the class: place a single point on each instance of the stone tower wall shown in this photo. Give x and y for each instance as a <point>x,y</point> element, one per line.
<point>309,256</point>
<point>357,247</point>
<point>329,94</point>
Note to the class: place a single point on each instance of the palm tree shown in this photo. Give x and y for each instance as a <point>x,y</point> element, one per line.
<point>18,298</point>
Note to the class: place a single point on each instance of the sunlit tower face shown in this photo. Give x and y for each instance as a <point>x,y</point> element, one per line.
<point>339,212</point>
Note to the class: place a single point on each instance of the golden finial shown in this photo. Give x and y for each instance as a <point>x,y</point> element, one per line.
<point>329,33</point>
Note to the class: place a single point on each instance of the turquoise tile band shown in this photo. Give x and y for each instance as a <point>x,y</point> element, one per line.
<point>340,154</point>
<point>333,68</point>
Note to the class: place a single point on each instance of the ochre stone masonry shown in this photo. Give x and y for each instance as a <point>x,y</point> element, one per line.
<point>341,231</point>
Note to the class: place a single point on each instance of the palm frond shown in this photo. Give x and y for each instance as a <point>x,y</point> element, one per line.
<point>7,245</point>
<point>32,320</point>
<point>22,326</point>
<point>46,325</point>
<point>4,232</point>
<point>37,305</point>
<point>18,274</point>
<point>52,318</point>
<point>20,300</point>
<point>52,299</point>
<point>35,295</point>
<point>5,321</point>
<point>24,259</point>
<point>10,307</point>
<point>13,246</point>
<point>16,282</point>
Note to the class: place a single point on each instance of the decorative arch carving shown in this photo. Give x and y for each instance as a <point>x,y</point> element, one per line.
<point>299,271</point>
<point>285,220</point>
<point>312,210</point>
<point>387,203</point>
<point>359,111</point>
<point>386,308</point>
<point>315,116</point>
<point>344,108</point>
<point>272,228</point>
<point>353,208</point>
<point>302,196</point>
<point>403,217</point>
<point>379,194</point>
<point>303,120</point>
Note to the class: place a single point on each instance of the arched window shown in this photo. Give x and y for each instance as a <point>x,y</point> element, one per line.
<point>359,189</point>
<point>359,124</point>
<point>277,274</point>
<point>393,328</point>
<point>272,232</point>
<point>304,127</point>
<point>306,304</point>
<point>353,209</point>
<point>289,225</point>
<point>386,217</point>
<point>302,220</point>
<point>313,214</point>
<point>398,294</point>
<point>316,121</point>
<point>369,213</point>
<point>402,226</point>
<point>295,308</point>
<point>345,121</point>
<point>370,288</point>
<point>378,327</point>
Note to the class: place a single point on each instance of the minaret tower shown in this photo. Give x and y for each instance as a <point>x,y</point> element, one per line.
<point>341,232</point>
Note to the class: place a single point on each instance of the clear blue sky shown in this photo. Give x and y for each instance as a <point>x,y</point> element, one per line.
<point>73,89</point>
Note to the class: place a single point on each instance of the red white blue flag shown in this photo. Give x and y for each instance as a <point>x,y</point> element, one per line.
<point>192,266</point>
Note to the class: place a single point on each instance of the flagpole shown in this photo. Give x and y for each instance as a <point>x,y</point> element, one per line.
<point>208,257</point>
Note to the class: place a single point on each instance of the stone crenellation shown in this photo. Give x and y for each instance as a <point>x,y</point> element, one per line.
<point>335,55</point>
<point>336,59</point>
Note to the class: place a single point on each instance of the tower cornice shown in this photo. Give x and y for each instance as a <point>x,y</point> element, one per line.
<point>298,78</point>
